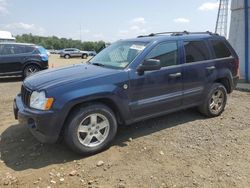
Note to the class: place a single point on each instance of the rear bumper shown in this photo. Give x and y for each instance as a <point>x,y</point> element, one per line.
<point>44,65</point>
<point>42,124</point>
<point>235,81</point>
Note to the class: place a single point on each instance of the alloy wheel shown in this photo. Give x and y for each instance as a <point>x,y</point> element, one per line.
<point>93,130</point>
<point>217,101</point>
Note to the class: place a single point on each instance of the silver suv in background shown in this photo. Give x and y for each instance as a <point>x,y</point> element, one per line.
<point>73,52</point>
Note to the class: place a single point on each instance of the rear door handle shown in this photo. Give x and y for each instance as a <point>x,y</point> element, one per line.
<point>175,75</point>
<point>210,68</point>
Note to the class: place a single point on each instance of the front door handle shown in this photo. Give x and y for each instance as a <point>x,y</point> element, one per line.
<point>210,68</point>
<point>175,75</point>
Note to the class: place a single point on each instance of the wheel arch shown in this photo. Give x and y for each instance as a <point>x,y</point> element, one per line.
<point>225,82</point>
<point>31,62</point>
<point>66,55</point>
<point>105,101</point>
<point>226,79</point>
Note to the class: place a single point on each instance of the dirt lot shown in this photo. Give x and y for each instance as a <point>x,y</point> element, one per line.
<point>183,149</point>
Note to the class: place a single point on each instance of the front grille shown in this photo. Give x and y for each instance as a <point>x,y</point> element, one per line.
<point>25,93</point>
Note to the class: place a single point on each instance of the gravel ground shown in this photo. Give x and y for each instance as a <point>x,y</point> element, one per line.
<point>182,149</point>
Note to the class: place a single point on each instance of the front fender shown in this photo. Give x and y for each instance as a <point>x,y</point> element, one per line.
<point>68,100</point>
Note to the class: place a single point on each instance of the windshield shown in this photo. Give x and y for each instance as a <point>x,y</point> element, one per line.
<point>119,54</point>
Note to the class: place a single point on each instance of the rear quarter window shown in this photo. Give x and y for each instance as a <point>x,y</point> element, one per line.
<point>29,49</point>
<point>220,49</point>
<point>42,50</point>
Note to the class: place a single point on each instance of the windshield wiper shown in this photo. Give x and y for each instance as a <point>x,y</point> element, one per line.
<point>98,64</point>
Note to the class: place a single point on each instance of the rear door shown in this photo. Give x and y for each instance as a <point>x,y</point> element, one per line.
<point>159,91</point>
<point>76,53</point>
<point>198,70</point>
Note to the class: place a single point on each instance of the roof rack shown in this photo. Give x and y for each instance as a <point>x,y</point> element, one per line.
<point>178,33</point>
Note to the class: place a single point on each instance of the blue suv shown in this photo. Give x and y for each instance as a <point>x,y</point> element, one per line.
<point>129,81</point>
<point>22,59</point>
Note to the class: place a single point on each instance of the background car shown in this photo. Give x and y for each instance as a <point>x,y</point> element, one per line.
<point>92,53</point>
<point>73,52</point>
<point>51,51</point>
<point>22,59</point>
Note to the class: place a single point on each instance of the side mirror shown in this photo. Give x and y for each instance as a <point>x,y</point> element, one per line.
<point>149,65</point>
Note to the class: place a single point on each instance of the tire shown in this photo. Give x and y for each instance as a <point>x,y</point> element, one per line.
<point>67,56</point>
<point>84,56</point>
<point>89,119</point>
<point>215,101</point>
<point>30,70</point>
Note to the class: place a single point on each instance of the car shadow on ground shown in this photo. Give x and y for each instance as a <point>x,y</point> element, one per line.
<point>11,79</point>
<point>21,151</point>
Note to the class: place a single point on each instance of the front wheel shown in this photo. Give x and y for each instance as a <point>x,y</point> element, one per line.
<point>90,129</point>
<point>215,101</point>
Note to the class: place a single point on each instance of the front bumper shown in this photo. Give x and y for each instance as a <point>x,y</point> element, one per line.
<point>42,124</point>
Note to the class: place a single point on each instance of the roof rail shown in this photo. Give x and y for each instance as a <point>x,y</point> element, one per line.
<point>178,33</point>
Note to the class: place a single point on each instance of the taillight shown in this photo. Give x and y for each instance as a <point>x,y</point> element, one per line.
<point>237,64</point>
<point>44,57</point>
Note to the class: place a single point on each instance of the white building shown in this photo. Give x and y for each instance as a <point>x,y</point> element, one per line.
<point>239,35</point>
<point>6,36</point>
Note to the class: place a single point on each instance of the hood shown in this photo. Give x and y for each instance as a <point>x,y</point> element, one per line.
<point>66,75</point>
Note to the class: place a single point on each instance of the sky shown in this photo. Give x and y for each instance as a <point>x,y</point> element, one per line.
<point>107,20</point>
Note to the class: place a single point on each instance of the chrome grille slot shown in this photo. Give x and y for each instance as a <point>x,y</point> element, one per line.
<point>25,93</point>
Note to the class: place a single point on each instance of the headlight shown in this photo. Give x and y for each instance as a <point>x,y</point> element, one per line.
<point>39,101</point>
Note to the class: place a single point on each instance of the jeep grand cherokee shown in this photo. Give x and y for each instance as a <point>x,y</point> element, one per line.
<point>129,81</point>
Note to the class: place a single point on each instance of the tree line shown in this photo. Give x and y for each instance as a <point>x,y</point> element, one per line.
<point>60,43</point>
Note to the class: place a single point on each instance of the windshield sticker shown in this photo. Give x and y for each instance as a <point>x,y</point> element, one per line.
<point>137,47</point>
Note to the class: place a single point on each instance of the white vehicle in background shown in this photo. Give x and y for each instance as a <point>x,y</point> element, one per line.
<point>48,52</point>
<point>6,36</point>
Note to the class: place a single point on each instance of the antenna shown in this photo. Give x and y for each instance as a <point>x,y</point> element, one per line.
<point>81,33</point>
<point>222,17</point>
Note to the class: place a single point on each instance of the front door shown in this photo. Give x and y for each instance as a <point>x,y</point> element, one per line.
<point>159,91</point>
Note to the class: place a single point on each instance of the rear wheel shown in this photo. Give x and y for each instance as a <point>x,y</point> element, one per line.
<point>67,56</point>
<point>91,129</point>
<point>84,56</point>
<point>30,70</point>
<point>215,101</point>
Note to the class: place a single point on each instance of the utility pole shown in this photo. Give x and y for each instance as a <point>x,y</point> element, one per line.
<point>81,33</point>
<point>222,18</point>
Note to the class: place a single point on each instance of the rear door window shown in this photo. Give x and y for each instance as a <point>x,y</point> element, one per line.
<point>196,51</point>
<point>1,49</point>
<point>18,49</point>
<point>220,49</point>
